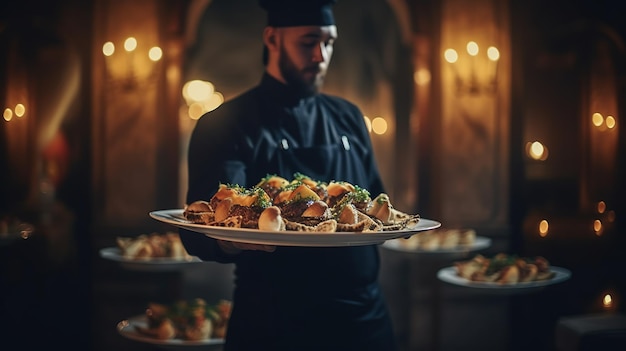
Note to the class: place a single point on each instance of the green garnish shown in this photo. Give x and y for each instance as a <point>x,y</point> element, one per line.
<point>496,264</point>
<point>299,177</point>
<point>293,185</point>
<point>238,188</point>
<point>359,195</point>
<point>263,200</point>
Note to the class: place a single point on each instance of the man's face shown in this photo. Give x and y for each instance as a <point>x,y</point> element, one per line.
<point>305,54</point>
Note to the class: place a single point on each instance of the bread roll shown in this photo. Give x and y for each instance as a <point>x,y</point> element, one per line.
<point>467,237</point>
<point>449,238</point>
<point>271,220</point>
<point>429,240</point>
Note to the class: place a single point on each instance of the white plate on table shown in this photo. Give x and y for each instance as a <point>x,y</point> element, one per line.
<point>291,238</point>
<point>127,328</point>
<point>479,243</point>
<point>147,264</point>
<point>14,231</point>
<point>449,275</point>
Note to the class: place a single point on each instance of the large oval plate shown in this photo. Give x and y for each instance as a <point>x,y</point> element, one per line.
<point>291,238</point>
<point>147,264</point>
<point>449,275</point>
<point>127,328</point>
<point>479,244</point>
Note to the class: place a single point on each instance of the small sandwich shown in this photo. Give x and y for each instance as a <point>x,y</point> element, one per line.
<point>391,218</point>
<point>349,203</point>
<point>246,205</point>
<point>272,184</point>
<point>199,212</point>
<point>303,210</point>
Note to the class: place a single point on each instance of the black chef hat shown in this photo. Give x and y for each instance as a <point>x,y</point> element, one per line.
<point>291,13</point>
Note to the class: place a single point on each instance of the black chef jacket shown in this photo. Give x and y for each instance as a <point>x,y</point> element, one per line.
<point>295,298</point>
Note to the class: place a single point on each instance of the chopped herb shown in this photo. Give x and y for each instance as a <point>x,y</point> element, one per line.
<point>497,264</point>
<point>263,200</point>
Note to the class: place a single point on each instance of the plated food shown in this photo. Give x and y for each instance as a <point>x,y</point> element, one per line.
<point>504,269</point>
<point>299,205</point>
<point>440,239</point>
<point>189,320</point>
<point>153,246</point>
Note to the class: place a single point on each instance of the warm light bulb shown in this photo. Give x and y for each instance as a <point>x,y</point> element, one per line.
<point>7,114</point>
<point>379,125</point>
<point>472,48</point>
<point>597,227</point>
<point>537,151</point>
<point>607,301</point>
<point>493,53</point>
<point>610,216</point>
<point>155,53</point>
<point>130,44</point>
<point>214,101</point>
<point>601,207</point>
<point>421,76</point>
<point>597,119</point>
<point>451,55</point>
<point>20,110</point>
<point>108,48</point>
<point>196,110</point>
<point>198,90</point>
<point>543,228</point>
<point>610,122</point>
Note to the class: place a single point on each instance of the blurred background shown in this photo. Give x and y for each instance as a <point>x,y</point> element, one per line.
<point>502,116</point>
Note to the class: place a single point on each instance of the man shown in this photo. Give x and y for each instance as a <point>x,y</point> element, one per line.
<point>292,298</point>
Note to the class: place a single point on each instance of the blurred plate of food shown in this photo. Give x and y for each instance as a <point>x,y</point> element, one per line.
<point>504,273</point>
<point>12,229</point>
<point>152,251</point>
<point>184,324</point>
<point>292,237</point>
<point>440,241</point>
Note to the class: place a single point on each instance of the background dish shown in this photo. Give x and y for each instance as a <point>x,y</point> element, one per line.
<point>149,264</point>
<point>127,329</point>
<point>291,238</point>
<point>480,243</point>
<point>449,275</point>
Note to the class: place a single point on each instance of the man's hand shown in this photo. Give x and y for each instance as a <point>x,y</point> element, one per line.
<point>233,248</point>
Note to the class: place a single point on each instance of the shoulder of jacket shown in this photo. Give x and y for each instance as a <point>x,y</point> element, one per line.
<point>338,101</point>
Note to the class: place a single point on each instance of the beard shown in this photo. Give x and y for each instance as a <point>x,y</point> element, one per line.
<point>296,79</point>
